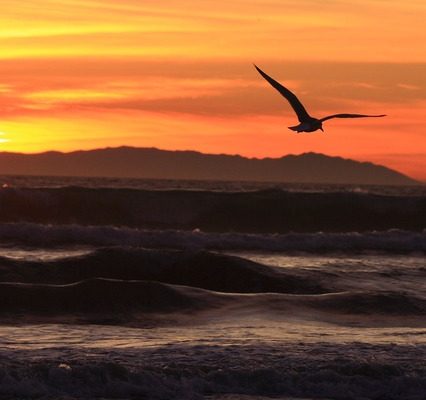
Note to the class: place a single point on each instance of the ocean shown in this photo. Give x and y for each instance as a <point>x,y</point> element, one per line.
<point>159,289</point>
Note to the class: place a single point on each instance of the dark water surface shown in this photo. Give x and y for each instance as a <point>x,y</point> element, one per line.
<point>188,290</point>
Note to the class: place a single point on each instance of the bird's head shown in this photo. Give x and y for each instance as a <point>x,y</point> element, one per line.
<point>318,125</point>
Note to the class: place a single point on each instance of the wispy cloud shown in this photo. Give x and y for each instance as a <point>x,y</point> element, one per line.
<point>225,88</point>
<point>408,86</point>
<point>286,29</point>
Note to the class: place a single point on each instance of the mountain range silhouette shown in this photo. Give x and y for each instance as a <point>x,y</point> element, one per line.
<point>133,162</point>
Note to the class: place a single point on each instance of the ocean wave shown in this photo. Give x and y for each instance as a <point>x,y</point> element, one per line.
<point>44,182</point>
<point>266,211</point>
<point>392,241</point>
<point>122,300</point>
<point>98,296</point>
<point>221,273</point>
<point>364,302</point>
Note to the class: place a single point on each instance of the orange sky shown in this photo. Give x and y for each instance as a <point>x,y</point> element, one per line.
<point>178,74</point>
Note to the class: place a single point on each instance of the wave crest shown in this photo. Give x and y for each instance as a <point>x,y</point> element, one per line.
<point>393,241</point>
<point>256,212</point>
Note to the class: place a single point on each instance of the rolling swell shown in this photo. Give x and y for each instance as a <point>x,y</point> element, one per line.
<point>204,270</point>
<point>118,299</point>
<point>256,212</point>
<point>364,302</point>
<point>97,296</point>
<point>118,282</point>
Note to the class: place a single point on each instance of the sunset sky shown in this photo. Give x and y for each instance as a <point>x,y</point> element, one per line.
<point>178,74</point>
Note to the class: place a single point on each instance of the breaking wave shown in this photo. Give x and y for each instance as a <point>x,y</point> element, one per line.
<point>393,241</point>
<point>267,211</point>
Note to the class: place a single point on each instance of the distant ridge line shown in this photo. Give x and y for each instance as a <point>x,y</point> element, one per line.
<point>144,162</point>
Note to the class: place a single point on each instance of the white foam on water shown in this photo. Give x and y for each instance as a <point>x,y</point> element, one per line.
<point>241,359</point>
<point>31,234</point>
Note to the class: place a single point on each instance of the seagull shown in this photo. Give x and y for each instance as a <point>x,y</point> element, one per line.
<point>307,123</point>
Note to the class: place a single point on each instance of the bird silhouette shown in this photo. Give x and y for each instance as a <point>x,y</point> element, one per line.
<point>307,123</point>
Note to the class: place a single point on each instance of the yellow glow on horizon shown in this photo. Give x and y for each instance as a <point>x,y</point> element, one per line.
<point>239,136</point>
<point>2,139</point>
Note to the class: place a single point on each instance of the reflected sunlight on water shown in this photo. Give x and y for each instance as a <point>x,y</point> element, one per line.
<point>252,331</point>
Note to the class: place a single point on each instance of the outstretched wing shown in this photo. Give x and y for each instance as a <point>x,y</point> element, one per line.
<point>302,114</point>
<point>351,116</point>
